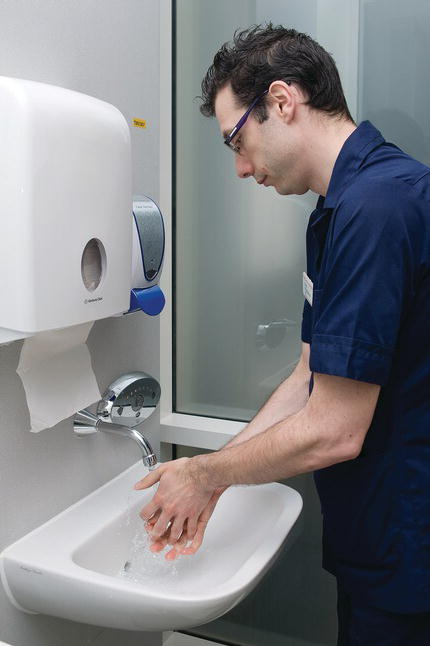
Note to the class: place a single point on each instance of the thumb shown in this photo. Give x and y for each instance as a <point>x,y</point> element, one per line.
<point>150,479</point>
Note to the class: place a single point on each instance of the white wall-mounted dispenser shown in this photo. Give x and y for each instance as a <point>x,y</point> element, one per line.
<point>66,237</point>
<point>147,257</point>
<point>65,203</point>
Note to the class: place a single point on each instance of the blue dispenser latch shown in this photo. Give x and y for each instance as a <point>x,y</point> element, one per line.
<point>150,300</point>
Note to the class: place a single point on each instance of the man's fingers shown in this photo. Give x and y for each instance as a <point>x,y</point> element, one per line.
<point>177,544</point>
<point>176,530</point>
<point>177,548</point>
<point>196,530</point>
<point>150,479</point>
<point>158,545</point>
<point>149,524</point>
<point>193,525</point>
<point>197,541</point>
<point>161,526</point>
<point>149,510</point>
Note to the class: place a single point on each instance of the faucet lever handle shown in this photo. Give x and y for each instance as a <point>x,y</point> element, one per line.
<point>130,399</point>
<point>85,423</point>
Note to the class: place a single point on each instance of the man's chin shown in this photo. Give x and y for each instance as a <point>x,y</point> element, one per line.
<point>286,190</point>
<point>283,190</point>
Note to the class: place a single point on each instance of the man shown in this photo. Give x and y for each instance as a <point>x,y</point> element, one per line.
<point>365,427</point>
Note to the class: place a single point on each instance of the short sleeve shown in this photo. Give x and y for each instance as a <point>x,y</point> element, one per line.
<point>306,332</point>
<point>306,323</point>
<point>367,281</point>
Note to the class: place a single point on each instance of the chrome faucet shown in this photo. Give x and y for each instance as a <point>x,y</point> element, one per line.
<point>127,402</point>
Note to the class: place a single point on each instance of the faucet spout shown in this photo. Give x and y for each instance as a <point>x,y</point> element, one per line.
<point>148,456</point>
<point>130,399</point>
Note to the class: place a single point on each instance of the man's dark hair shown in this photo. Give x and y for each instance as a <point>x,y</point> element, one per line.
<point>264,53</point>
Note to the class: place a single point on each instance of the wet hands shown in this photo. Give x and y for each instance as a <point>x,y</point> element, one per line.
<point>184,545</point>
<point>181,507</point>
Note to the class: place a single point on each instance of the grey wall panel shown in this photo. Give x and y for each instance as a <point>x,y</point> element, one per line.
<point>108,49</point>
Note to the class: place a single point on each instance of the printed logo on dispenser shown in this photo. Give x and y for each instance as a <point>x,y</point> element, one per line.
<point>93,300</point>
<point>138,207</point>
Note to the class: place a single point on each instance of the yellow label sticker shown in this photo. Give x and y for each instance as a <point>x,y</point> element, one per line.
<point>139,123</point>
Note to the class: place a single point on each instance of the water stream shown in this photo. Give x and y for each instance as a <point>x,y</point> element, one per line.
<point>142,565</point>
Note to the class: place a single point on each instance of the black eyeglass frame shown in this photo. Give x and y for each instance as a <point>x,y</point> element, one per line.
<point>241,122</point>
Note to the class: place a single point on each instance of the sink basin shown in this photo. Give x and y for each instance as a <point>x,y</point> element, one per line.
<point>91,563</point>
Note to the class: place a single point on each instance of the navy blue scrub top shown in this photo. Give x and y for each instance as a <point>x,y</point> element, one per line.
<point>368,256</point>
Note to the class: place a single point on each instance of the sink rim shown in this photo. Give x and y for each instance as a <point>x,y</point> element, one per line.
<point>59,564</point>
<point>255,561</point>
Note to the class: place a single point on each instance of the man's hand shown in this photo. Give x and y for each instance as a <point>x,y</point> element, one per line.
<point>180,546</point>
<point>181,507</point>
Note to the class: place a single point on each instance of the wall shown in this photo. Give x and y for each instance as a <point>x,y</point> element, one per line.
<point>108,49</point>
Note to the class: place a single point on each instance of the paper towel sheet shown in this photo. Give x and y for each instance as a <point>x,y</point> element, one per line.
<point>56,372</point>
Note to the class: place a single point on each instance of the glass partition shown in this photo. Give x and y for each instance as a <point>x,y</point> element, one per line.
<point>394,52</point>
<point>239,258</point>
<point>240,248</point>
<point>240,254</point>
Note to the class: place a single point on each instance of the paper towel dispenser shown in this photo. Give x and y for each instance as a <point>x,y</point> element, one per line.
<point>65,204</point>
<point>147,256</point>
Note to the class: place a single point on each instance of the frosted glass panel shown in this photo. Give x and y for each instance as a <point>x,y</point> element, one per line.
<point>394,60</point>
<point>240,253</point>
<point>240,248</point>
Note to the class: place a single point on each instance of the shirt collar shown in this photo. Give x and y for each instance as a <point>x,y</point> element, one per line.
<point>359,144</point>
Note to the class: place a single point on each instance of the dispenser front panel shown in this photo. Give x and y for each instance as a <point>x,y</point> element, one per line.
<point>66,205</point>
<point>150,230</point>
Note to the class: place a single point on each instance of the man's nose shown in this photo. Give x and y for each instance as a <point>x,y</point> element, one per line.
<point>244,167</point>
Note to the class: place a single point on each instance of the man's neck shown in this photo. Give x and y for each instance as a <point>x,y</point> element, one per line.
<point>328,137</point>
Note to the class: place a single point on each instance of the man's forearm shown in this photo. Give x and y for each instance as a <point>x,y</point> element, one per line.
<point>286,449</point>
<point>290,397</point>
<point>329,429</point>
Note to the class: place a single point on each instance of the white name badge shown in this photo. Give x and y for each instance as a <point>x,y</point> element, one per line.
<point>308,288</point>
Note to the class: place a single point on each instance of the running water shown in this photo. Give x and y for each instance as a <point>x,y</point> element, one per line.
<point>141,565</point>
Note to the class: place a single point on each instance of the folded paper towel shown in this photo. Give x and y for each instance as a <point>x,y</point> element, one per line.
<point>56,372</point>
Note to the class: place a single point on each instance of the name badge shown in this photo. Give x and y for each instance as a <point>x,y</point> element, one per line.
<point>308,288</point>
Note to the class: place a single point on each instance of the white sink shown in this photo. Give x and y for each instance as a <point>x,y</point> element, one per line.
<point>73,565</point>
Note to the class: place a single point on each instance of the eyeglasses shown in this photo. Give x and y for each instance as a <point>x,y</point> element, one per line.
<point>228,140</point>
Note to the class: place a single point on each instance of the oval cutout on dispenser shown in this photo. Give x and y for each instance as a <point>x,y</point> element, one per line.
<point>93,264</point>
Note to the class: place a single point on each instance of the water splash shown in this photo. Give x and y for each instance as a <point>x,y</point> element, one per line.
<point>142,565</point>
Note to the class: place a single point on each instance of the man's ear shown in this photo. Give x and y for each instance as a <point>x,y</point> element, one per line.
<point>284,98</point>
